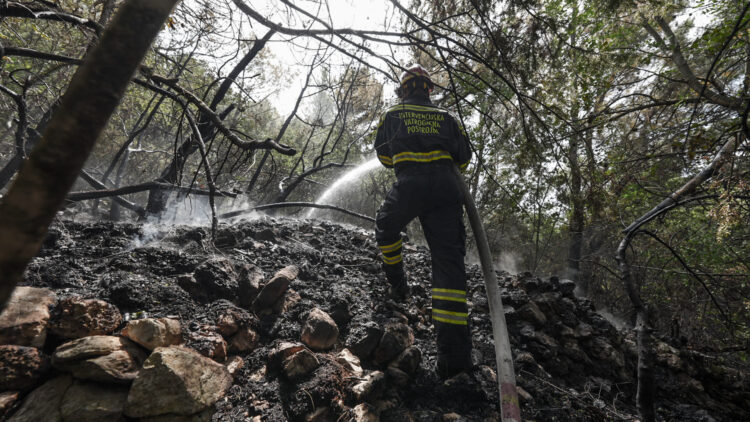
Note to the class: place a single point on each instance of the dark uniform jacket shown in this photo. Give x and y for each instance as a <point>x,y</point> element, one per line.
<point>416,131</point>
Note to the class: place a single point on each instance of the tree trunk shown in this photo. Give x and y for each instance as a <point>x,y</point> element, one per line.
<point>576,221</point>
<point>53,166</point>
<point>157,199</point>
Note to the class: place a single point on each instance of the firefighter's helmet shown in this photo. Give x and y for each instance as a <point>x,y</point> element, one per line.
<point>415,76</point>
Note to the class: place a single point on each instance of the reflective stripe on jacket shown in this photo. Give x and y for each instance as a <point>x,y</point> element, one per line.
<point>416,131</point>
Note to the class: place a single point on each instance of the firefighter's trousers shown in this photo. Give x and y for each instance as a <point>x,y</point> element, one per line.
<point>431,192</point>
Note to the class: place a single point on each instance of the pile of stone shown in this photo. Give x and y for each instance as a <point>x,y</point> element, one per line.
<point>75,359</point>
<point>96,375</point>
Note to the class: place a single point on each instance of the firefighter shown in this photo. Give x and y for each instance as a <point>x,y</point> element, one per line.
<point>422,143</point>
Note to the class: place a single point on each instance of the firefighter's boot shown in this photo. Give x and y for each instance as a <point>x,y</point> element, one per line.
<point>399,289</point>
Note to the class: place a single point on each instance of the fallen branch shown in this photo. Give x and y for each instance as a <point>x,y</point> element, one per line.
<point>141,187</point>
<point>296,204</point>
<point>122,201</point>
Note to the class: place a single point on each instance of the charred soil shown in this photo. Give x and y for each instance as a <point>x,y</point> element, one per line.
<point>571,363</point>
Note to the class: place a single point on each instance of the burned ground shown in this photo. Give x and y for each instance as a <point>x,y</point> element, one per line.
<point>571,363</point>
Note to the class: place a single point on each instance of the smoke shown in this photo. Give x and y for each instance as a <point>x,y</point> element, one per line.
<point>507,261</point>
<point>619,323</point>
<point>193,210</point>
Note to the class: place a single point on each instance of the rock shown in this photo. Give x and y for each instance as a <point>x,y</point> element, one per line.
<point>204,416</point>
<point>320,331</point>
<point>363,412</point>
<point>248,286</point>
<point>100,358</point>
<point>26,315</point>
<point>370,387</point>
<point>176,380</point>
<point>364,338</point>
<point>266,234</point>
<point>75,317</point>
<point>21,367</point>
<point>567,287</point>
<point>286,302</point>
<point>530,312</point>
<point>234,364</point>
<point>300,364</point>
<point>453,417</point>
<point>583,330</point>
<point>154,332</point>
<point>43,404</point>
<point>228,322</point>
<point>245,340</point>
<point>408,361</point>
<point>281,352</point>
<point>396,338</point>
<point>89,402</point>
<point>275,289</point>
<point>340,312</point>
<point>189,284</point>
<point>350,362</point>
<point>397,376</point>
<point>217,279</point>
<point>7,400</point>
<point>88,347</point>
<point>600,348</point>
<point>209,344</point>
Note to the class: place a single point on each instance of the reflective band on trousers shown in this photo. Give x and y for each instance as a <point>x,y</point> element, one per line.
<point>449,317</point>
<point>392,260</point>
<point>452,295</point>
<point>421,157</point>
<point>392,247</point>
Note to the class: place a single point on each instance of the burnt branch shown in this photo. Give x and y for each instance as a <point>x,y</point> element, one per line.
<point>293,205</point>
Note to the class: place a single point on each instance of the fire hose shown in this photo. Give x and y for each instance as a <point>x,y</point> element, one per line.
<point>506,377</point>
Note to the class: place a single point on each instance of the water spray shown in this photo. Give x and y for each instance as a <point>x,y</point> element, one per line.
<point>506,377</point>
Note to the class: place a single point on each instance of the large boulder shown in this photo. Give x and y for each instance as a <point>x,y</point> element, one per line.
<point>320,331</point>
<point>26,315</point>
<point>21,367</point>
<point>154,332</point>
<point>75,317</point>
<point>43,404</point>
<point>90,402</point>
<point>100,358</point>
<point>275,289</point>
<point>176,380</point>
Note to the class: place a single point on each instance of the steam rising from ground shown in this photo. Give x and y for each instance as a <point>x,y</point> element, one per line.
<point>193,210</point>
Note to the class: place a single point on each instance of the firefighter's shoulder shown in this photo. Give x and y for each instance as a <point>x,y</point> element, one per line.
<point>416,108</point>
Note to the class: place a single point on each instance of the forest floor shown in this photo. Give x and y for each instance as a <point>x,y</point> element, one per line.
<point>572,364</point>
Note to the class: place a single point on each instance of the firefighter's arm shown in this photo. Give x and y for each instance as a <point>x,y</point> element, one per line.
<point>463,154</point>
<point>382,148</point>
